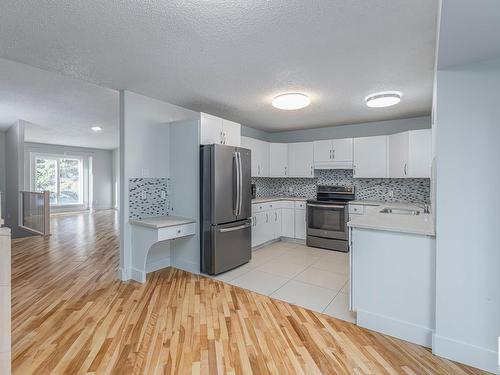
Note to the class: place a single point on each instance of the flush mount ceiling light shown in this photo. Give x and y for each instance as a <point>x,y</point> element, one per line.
<point>383,99</point>
<point>96,128</point>
<point>291,101</point>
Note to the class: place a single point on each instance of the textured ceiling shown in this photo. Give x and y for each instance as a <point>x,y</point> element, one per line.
<point>230,58</point>
<point>60,110</point>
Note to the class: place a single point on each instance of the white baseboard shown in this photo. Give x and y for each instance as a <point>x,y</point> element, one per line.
<point>157,265</point>
<point>124,274</point>
<point>137,275</point>
<point>468,354</point>
<point>397,328</point>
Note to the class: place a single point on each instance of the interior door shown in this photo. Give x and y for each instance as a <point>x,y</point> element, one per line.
<point>224,184</point>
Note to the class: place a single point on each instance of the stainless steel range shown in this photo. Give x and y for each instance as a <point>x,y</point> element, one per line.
<point>327,218</point>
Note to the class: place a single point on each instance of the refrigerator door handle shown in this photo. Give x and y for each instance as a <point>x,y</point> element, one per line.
<point>232,229</point>
<point>240,172</point>
<point>236,184</point>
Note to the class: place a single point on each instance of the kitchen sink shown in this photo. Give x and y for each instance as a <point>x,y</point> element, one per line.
<point>400,211</point>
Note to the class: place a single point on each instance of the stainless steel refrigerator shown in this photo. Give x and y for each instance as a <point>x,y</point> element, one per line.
<point>226,205</point>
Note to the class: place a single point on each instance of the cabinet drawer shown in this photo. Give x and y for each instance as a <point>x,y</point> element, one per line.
<point>358,209</point>
<point>266,206</point>
<point>177,231</point>
<point>300,205</point>
<point>286,204</point>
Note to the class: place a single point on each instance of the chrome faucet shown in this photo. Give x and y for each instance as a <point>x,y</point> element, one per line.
<point>425,206</point>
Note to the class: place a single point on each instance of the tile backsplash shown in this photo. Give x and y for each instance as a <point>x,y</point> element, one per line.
<point>379,189</point>
<point>145,197</point>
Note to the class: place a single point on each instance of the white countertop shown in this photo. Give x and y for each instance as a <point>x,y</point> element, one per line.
<point>161,221</point>
<point>273,199</point>
<point>4,231</point>
<point>372,219</point>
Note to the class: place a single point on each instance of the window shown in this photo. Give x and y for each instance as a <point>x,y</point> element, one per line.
<point>62,176</point>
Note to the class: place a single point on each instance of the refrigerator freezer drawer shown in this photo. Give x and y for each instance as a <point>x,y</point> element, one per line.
<point>231,247</point>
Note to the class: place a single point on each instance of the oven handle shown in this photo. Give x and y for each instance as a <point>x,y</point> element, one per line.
<point>324,205</point>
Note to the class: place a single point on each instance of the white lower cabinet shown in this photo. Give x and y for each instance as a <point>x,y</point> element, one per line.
<point>300,224</point>
<point>288,222</point>
<point>272,220</point>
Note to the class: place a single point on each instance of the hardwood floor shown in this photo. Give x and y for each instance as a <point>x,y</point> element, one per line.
<point>72,316</point>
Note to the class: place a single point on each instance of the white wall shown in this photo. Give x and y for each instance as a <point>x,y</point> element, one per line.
<point>468,214</point>
<point>2,171</point>
<point>144,152</point>
<point>102,167</point>
<point>14,177</point>
<point>185,185</point>
<point>116,178</point>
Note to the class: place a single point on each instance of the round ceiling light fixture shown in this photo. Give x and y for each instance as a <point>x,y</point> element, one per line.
<point>96,128</point>
<point>291,101</point>
<point>383,99</point>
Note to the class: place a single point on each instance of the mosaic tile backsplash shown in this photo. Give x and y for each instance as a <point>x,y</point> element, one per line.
<point>145,197</point>
<point>378,189</point>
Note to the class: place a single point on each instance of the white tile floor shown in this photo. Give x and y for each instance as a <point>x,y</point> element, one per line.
<point>312,278</point>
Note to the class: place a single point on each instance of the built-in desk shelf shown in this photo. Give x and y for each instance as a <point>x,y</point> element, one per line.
<point>146,232</point>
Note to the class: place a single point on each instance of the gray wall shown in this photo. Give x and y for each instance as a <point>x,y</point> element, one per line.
<point>467,129</point>
<point>2,170</point>
<point>14,177</point>
<point>254,133</point>
<point>352,131</point>
<point>342,131</point>
<point>102,166</point>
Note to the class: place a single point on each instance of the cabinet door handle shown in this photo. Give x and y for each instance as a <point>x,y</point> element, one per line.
<point>255,220</point>
<point>405,170</point>
<point>354,170</point>
<point>275,216</point>
<point>333,154</point>
<point>312,173</point>
<point>285,171</point>
<point>330,153</point>
<point>258,169</point>
<point>267,218</point>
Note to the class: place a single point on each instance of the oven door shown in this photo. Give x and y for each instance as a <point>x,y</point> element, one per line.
<point>327,220</point>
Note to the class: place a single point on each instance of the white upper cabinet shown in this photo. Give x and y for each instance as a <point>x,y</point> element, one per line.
<point>278,160</point>
<point>370,157</point>
<point>260,156</point>
<point>213,129</point>
<point>342,150</point>
<point>322,151</point>
<point>231,132</point>
<point>333,154</point>
<point>420,154</point>
<point>210,129</point>
<point>410,154</point>
<point>300,159</point>
<point>398,155</point>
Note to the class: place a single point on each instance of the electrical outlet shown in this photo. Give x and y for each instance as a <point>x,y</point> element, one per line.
<point>290,189</point>
<point>163,194</point>
<point>391,193</point>
<point>143,195</point>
